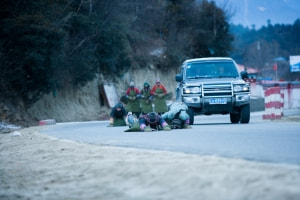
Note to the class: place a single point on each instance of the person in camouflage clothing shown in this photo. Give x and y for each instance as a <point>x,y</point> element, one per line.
<point>133,103</point>
<point>146,103</point>
<point>159,93</point>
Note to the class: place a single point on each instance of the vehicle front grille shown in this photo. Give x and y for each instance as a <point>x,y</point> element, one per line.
<point>217,90</point>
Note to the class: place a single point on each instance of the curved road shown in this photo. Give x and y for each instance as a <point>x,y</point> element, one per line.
<point>261,140</point>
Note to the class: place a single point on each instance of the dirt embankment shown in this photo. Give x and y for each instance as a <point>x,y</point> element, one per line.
<point>83,104</point>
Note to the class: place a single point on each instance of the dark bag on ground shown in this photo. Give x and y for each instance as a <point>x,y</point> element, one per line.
<point>176,123</point>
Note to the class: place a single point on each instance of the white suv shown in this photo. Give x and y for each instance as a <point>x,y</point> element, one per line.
<point>214,86</point>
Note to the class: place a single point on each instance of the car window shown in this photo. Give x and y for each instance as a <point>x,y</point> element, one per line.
<point>227,69</point>
<point>211,70</point>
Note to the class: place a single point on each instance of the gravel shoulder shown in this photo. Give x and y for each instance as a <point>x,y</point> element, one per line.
<point>36,166</point>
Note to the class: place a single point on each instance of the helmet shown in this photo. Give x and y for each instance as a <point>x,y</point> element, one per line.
<point>146,84</point>
<point>131,84</point>
<point>152,117</point>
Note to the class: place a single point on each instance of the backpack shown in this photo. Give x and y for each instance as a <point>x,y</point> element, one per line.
<point>176,123</point>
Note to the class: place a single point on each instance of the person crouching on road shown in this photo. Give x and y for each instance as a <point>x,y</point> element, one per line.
<point>118,115</point>
<point>152,121</point>
<point>177,115</point>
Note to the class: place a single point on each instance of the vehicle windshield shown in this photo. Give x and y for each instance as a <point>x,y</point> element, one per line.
<point>216,69</point>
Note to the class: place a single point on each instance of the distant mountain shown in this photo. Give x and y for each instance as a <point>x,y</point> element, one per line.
<point>258,12</point>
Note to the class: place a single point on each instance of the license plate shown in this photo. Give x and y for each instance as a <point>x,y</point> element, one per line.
<point>217,101</point>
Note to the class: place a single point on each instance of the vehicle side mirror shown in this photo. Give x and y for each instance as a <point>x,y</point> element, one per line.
<point>244,75</point>
<point>178,77</point>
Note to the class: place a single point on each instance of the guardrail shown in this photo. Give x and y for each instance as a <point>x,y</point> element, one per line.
<point>290,91</point>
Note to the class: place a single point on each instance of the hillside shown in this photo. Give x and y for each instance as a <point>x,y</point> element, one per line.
<point>83,104</point>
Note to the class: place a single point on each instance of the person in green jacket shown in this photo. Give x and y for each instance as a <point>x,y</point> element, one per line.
<point>118,115</point>
<point>146,103</point>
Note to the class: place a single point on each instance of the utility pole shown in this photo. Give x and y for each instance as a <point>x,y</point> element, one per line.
<point>275,69</point>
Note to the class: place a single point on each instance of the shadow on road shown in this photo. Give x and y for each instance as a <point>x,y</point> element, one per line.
<point>212,123</point>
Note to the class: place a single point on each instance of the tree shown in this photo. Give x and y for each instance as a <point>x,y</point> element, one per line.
<point>47,45</point>
<point>259,48</point>
<point>29,44</point>
<point>199,29</point>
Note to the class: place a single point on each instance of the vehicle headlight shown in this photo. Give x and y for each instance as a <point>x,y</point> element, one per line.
<point>241,88</point>
<point>192,90</point>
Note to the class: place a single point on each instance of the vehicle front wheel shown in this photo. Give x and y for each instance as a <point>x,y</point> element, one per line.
<point>235,117</point>
<point>191,114</point>
<point>245,114</point>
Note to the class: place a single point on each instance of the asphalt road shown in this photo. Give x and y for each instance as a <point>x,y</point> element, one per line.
<point>276,141</point>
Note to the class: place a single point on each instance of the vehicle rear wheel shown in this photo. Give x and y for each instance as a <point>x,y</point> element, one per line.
<point>191,114</point>
<point>235,117</point>
<point>245,114</point>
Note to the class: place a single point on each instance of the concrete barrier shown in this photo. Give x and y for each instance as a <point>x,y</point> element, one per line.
<point>257,104</point>
<point>274,103</point>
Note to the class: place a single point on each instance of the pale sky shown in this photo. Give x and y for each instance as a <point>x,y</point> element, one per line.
<point>248,12</point>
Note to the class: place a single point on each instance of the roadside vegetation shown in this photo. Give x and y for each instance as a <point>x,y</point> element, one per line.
<point>262,48</point>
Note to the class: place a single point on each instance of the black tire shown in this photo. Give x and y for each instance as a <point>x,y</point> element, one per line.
<point>235,117</point>
<point>191,114</point>
<point>245,114</point>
